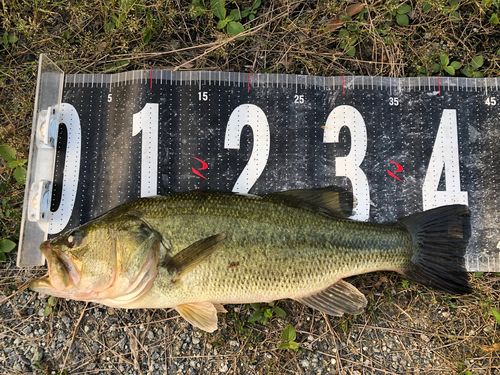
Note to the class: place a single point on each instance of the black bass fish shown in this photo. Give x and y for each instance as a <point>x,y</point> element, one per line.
<point>196,251</point>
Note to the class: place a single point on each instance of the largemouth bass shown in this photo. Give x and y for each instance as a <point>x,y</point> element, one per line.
<point>196,251</point>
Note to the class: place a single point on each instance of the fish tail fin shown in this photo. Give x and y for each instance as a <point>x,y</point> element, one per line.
<point>440,238</point>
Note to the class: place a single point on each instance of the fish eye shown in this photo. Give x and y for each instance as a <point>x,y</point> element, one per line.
<point>74,239</point>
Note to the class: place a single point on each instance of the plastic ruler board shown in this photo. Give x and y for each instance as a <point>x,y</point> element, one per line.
<point>402,145</point>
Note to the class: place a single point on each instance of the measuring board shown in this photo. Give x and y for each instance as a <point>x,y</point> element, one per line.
<point>402,145</point>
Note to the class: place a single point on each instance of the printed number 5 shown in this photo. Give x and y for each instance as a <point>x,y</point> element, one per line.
<point>348,166</point>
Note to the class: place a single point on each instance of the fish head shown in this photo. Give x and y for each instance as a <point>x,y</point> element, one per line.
<point>110,262</point>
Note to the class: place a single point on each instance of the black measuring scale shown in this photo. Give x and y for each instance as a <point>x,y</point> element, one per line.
<point>402,145</point>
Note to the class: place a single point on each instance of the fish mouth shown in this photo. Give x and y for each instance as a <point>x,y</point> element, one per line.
<point>63,274</point>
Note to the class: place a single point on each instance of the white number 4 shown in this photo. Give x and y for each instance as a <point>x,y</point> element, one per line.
<point>444,157</point>
<point>491,101</point>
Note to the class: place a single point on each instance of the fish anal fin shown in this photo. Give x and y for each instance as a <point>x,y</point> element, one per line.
<point>194,254</point>
<point>332,200</point>
<point>200,314</point>
<point>219,308</point>
<point>337,299</point>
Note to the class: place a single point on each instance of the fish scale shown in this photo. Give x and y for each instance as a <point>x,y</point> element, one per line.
<point>281,252</point>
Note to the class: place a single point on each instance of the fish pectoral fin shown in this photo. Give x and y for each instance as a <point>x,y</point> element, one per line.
<point>332,200</point>
<point>200,314</point>
<point>194,254</point>
<point>337,299</point>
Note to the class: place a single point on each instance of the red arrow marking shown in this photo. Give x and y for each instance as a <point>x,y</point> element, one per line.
<point>400,169</point>
<point>203,166</point>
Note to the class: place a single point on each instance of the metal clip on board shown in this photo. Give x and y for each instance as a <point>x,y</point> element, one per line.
<point>36,208</point>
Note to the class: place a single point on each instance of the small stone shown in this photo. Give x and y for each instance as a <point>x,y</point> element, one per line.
<point>224,368</point>
<point>304,363</point>
<point>66,320</point>
<point>37,355</point>
<point>151,335</point>
<point>17,341</point>
<point>333,361</point>
<point>196,340</point>
<point>234,343</point>
<point>425,338</point>
<point>27,330</point>
<point>24,360</point>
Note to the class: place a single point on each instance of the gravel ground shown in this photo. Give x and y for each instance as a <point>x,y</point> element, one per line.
<point>404,330</point>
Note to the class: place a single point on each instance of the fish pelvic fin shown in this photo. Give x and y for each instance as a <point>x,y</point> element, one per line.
<point>440,238</point>
<point>194,254</point>
<point>200,314</point>
<point>337,299</point>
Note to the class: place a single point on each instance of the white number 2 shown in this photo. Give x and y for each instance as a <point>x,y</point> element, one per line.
<point>348,166</point>
<point>444,155</point>
<point>249,114</point>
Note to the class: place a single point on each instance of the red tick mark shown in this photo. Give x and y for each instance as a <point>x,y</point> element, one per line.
<point>439,86</point>
<point>151,80</point>
<point>400,169</point>
<point>248,83</point>
<point>343,84</point>
<point>203,166</point>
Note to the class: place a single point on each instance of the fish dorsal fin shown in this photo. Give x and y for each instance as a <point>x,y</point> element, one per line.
<point>332,200</point>
<point>337,299</point>
<point>194,254</point>
<point>200,314</point>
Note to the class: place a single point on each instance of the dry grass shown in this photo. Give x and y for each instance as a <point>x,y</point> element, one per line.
<point>403,321</point>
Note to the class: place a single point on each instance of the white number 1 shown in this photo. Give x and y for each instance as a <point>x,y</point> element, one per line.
<point>147,121</point>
